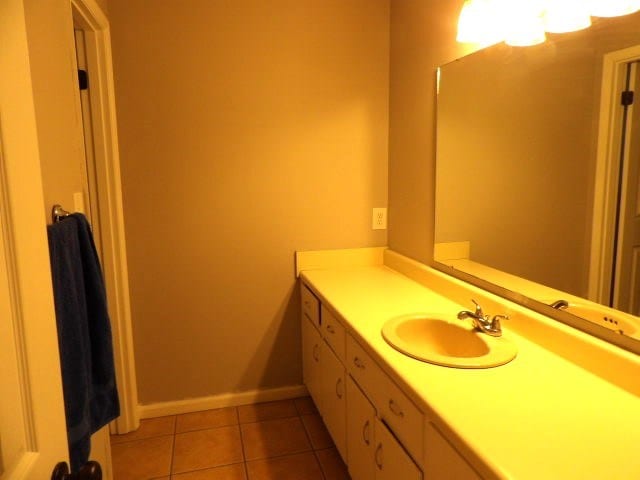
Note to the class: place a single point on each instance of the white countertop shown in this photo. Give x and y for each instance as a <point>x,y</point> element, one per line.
<point>538,417</point>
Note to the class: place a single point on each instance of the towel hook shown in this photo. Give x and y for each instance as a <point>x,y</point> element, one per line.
<point>58,213</point>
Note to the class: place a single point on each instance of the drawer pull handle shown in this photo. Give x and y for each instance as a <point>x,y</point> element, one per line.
<point>378,456</point>
<point>395,409</point>
<point>339,392</point>
<point>316,356</point>
<point>366,430</point>
<point>307,303</point>
<point>358,363</point>
<point>330,329</point>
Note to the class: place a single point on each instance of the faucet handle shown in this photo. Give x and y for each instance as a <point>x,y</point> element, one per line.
<point>495,322</point>
<point>479,312</point>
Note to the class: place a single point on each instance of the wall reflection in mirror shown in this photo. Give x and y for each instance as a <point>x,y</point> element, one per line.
<point>538,167</point>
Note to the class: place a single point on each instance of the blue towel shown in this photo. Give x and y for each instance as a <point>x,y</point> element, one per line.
<point>84,334</point>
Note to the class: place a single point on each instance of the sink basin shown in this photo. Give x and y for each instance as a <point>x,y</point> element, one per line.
<point>431,338</point>
<point>608,318</point>
<point>620,322</point>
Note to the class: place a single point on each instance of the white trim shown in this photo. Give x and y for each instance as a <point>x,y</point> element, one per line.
<point>23,469</point>
<point>88,15</point>
<point>220,401</point>
<point>607,167</point>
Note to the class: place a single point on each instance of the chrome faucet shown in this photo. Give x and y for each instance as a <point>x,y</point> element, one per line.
<point>482,322</point>
<point>559,304</point>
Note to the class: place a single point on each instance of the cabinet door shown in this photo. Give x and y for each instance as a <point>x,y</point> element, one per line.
<point>442,460</point>
<point>391,461</point>
<point>311,361</point>
<point>334,399</point>
<point>360,431</point>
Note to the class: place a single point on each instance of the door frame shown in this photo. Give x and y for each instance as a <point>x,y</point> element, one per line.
<point>607,173</point>
<point>88,17</point>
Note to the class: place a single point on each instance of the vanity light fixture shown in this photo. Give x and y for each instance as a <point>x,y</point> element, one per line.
<point>480,22</point>
<point>524,22</point>
<point>613,8</point>
<point>566,16</point>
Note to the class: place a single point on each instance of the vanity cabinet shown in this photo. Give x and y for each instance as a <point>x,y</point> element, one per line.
<point>378,430</point>
<point>377,405</point>
<point>442,460</point>
<point>334,399</point>
<point>360,435</point>
<point>392,462</point>
<point>391,404</point>
<point>311,360</point>
<point>323,371</point>
<point>373,451</point>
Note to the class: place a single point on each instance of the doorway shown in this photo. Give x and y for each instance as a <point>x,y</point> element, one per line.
<point>614,278</point>
<point>625,287</point>
<point>92,35</point>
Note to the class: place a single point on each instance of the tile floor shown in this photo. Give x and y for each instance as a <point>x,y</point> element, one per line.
<point>275,440</point>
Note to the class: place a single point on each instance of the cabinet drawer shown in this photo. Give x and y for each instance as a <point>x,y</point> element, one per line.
<point>310,305</point>
<point>442,460</point>
<point>363,369</point>
<point>333,332</point>
<point>402,416</point>
<point>393,406</point>
<point>391,461</point>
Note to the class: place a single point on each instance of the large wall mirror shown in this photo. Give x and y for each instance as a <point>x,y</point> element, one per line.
<point>538,173</point>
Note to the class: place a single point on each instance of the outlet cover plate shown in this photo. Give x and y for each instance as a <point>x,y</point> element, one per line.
<point>379,219</point>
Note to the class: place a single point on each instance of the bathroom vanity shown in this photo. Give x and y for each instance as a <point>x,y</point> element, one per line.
<point>567,406</point>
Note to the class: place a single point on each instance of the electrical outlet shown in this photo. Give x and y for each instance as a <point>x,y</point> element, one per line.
<point>379,221</point>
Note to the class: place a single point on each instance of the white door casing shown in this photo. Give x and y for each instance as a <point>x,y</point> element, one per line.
<point>106,202</point>
<point>607,172</point>
<point>627,279</point>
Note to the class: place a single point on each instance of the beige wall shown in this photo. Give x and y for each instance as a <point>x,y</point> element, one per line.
<point>248,130</point>
<point>422,38</point>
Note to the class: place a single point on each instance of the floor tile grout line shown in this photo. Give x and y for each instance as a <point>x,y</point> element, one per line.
<point>124,442</point>
<point>308,433</point>
<point>280,455</point>
<point>295,405</point>
<point>313,449</point>
<point>315,454</point>
<point>173,452</point>
<point>244,455</point>
<point>207,428</point>
<point>202,469</point>
<point>268,419</point>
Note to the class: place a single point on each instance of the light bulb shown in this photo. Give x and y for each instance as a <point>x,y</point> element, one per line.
<point>563,16</point>
<point>613,8</point>
<point>479,23</point>
<point>524,25</point>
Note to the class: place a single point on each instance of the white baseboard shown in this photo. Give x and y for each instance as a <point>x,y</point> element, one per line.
<point>219,401</point>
